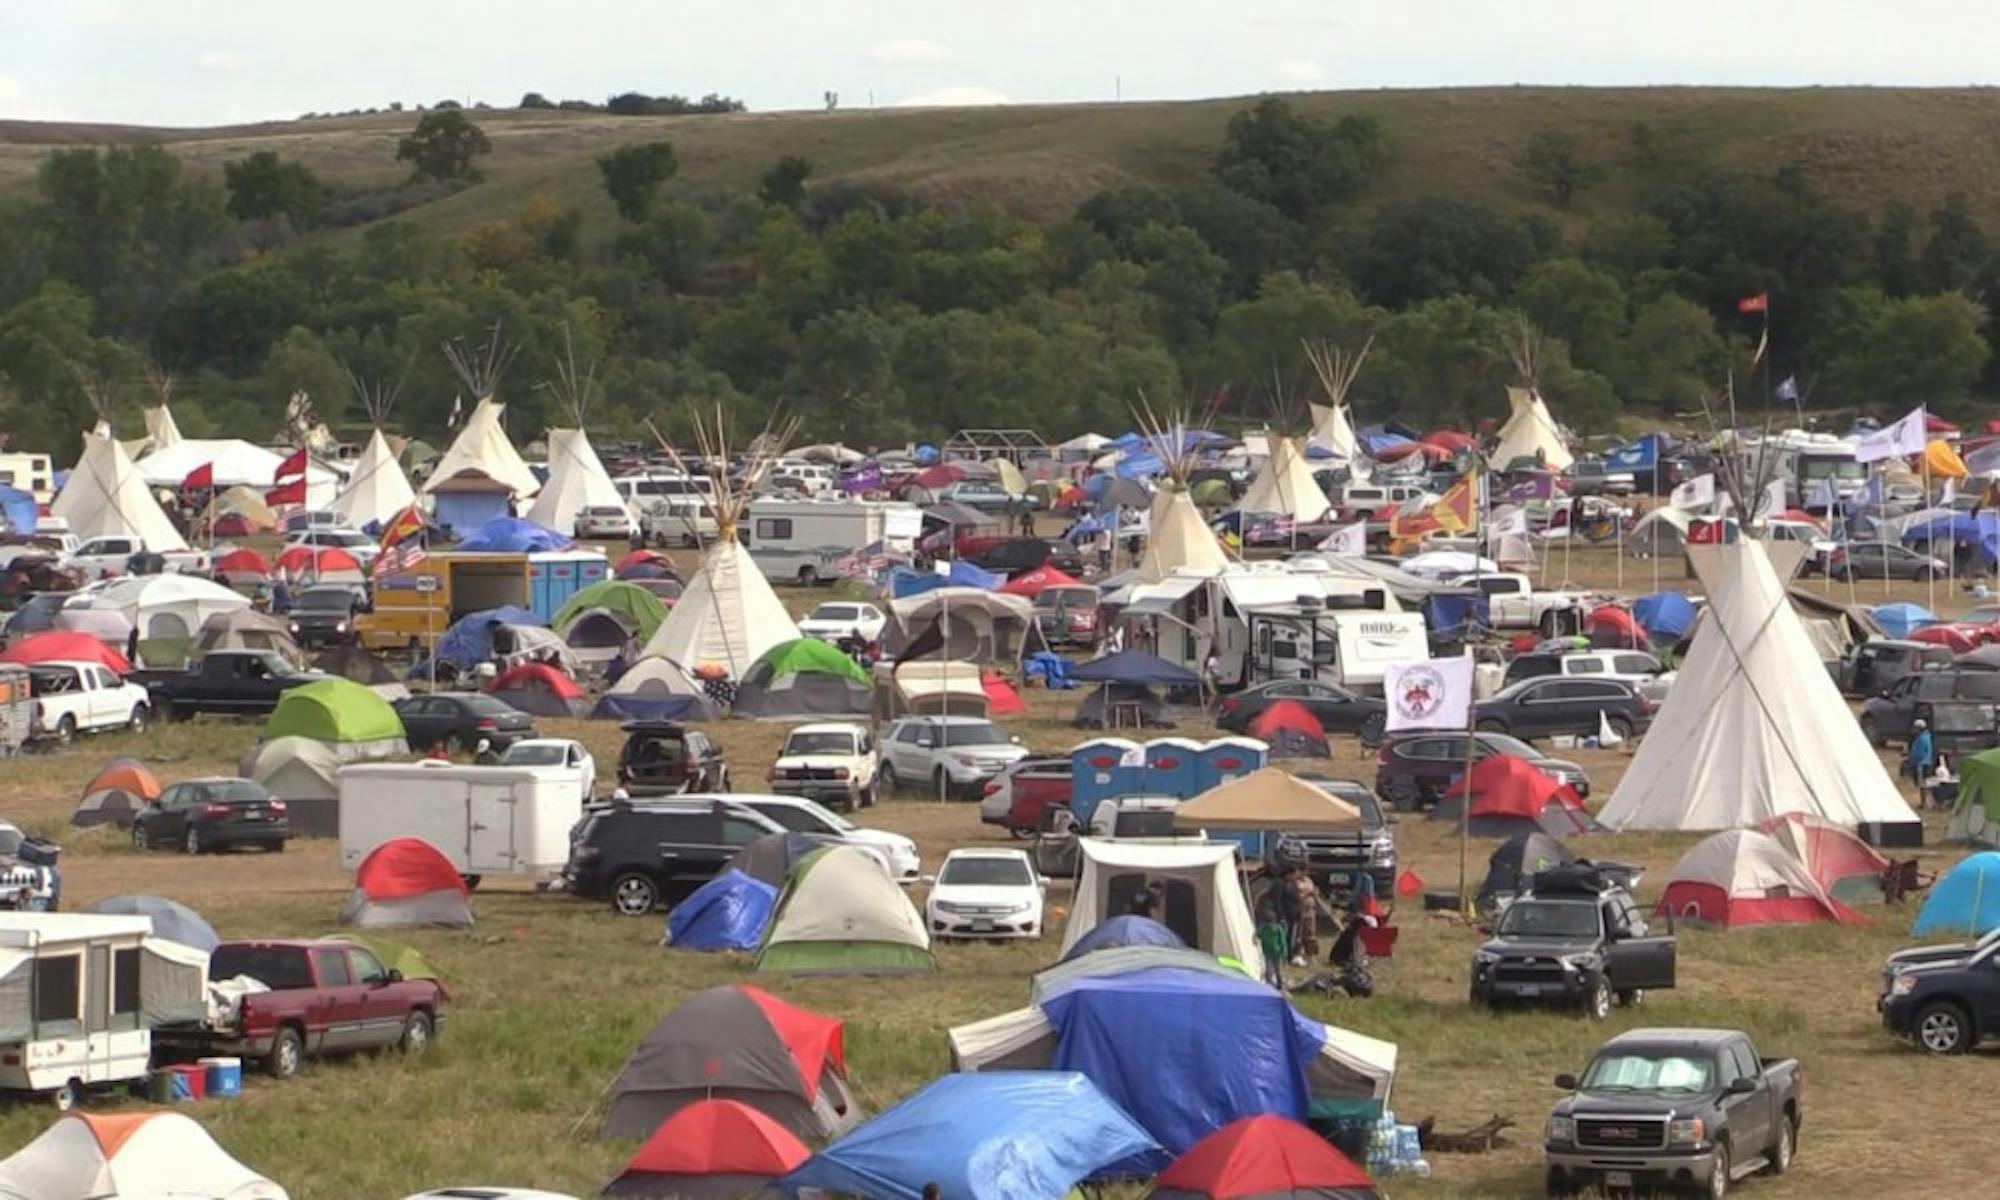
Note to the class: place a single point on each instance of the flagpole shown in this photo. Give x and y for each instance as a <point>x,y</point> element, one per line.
<point>1930,577</point>
<point>1471,705</point>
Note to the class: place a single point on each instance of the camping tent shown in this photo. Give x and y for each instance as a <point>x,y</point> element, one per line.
<point>1008,1135</point>
<point>102,1156</point>
<point>404,882</point>
<point>1666,616</point>
<point>351,719</point>
<point>1041,579</point>
<point>719,1149</point>
<point>538,688</point>
<point>168,608</point>
<point>1512,868</point>
<point>64,645</point>
<point>1291,731</point>
<point>655,689</point>
<point>841,914</point>
<point>1745,877</point>
<point>803,678</point>
<point>743,1044</point>
<point>115,794</point>
<point>1509,796</point>
<point>729,912</point>
<point>247,629</point>
<point>106,496</point>
<point>376,489</point>
<point>303,772</point>
<point>1966,900</point>
<point>1530,432</point>
<point>961,624</point>
<point>306,565</point>
<point>241,566</point>
<point>481,475</point>
<point>1285,487</point>
<point>1754,726</point>
<point>1204,900</point>
<point>1975,816</point>
<point>171,919</point>
<point>640,609</point>
<point>1003,699</point>
<point>728,615</point>
<point>1127,930</point>
<point>577,480</point>
<point>1265,1157</point>
<point>1658,534</point>
<point>931,686</point>
<point>1845,867</point>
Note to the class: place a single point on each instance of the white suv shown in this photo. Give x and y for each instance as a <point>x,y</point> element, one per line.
<point>986,894</point>
<point>834,762</point>
<point>837,619</point>
<point>947,755</point>
<point>799,815</point>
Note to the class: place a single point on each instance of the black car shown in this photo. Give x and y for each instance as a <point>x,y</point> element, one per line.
<point>1573,939</point>
<point>212,814</point>
<point>1892,716</point>
<point>1337,709</point>
<point>639,854</point>
<point>1945,999</point>
<point>461,720</point>
<point>1413,770</point>
<point>1539,707</point>
<point>1878,664</point>
<point>662,758</point>
<point>1335,860</point>
<point>323,615</point>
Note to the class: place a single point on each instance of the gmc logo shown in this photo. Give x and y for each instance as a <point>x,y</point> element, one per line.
<point>1618,1133</point>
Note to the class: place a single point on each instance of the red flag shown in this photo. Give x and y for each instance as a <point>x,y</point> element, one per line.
<point>1761,302</point>
<point>294,466</point>
<point>1409,883</point>
<point>287,493</point>
<point>202,476</point>
<point>1705,533</point>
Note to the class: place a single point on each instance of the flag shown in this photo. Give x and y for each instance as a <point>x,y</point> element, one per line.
<point>1787,390</point>
<point>1868,497</point>
<point>1435,693</point>
<point>1773,501</point>
<point>865,563</point>
<point>1821,496</point>
<point>1453,512</point>
<point>1709,532</point>
<point>294,467</point>
<point>202,476</point>
<point>1763,344</point>
<point>1348,540</point>
<point>402,542</point>
<point>1759,303</point>
<point>404,525</point>
<point>287,493</point>
<point>1698,492</point>
<point>1507,524</point>
<point>403,556</point>
<point>1642,455</point>
<point>1539,485</point>
<point>1904,438</point>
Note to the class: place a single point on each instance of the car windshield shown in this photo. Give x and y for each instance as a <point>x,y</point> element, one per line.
<point>833,741</point>
<point>977,733</point>
<point>834,612</point>
<point>535,754</point>
<point>326,600</point>
<point>987,872</point>
<point>1535,919</point>
<point>823,818</point>
<point>1640,1071</point>
<point>1066,598</point>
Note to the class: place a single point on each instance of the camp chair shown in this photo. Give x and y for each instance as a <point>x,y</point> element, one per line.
<point>1901,878</point>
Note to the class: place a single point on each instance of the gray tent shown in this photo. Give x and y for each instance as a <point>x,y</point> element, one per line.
<point>172,920</point>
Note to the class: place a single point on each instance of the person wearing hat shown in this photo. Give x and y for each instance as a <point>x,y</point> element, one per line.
<point>485,755</point>
<point>1923,754</point>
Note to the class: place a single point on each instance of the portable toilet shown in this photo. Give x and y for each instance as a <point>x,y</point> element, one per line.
<point>1173,767</point>
<point>1103,769</point>
<point>1225,759</point>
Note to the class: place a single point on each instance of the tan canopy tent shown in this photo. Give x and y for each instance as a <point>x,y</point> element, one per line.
<point>1270,798</point>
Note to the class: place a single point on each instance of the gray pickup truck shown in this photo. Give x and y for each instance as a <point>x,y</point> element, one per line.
<point>1673,1108</point>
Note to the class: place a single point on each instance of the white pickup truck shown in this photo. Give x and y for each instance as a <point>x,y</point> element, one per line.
<point>108,555</point>
<point>1512,601</point>
<point>833,762</point>
<point>72,697</point>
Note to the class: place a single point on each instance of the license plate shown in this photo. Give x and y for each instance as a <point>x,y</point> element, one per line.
<point>1618,1179</point>
<point>253,815</point>
<point>982,926</point>
<point>1531,989</point>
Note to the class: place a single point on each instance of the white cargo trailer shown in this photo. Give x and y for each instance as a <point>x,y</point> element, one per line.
<point>487,820</point>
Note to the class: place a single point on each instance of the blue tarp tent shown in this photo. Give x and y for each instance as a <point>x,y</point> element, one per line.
<point>1642,455</point>
<point>729,912</point>
<point>1665,616</point>
<point>1129,930</point>
<point>1185,1052</point>
<point>1135,667</point>
<point>1902,620</point>
<point>1980,529</point>
<point>470,638</point>
<point>171,919</point>
<point>1967,900</point>
<point>1003,1135</point>
<point>514,535</point>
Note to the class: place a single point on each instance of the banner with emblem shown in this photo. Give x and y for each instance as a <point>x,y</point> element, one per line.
<point>1435,693</point>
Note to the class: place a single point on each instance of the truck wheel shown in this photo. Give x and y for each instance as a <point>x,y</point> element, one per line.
<point>288,1053</point>
<point>69,1096</point>
<point>66,731</point>
<point>1784,1148</point>
<point>138,721</point>
<point>1944,1028</point>
<point>1621,728</point>
<point>888,782</point>
<point>1491,725</point>
<point>416,1034</point>
<point>1372,729</point>
<point>1718,1177</point>
<point>1599,1003</point>
<point>193,843</point>
<point>868,795</point>
<point>808,577</point>
<point>634,894</point>
<point>140,840</point>
<point>1555,1183</point>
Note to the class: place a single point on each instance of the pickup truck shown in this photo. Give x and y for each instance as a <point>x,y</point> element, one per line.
<point>1943,998</point>
<point>833,762</point>
<point>321,997</point>
<point>98,557</point>
<point>1513,603</point>
<point>1673,1108</point>
<point>73,697</point>
<point>1335,860</point>
<point>234,682</point>
<point>1572,938</point>
<point>1017,797</point>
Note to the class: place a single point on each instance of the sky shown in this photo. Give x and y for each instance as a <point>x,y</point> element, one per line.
<point>205,62</point>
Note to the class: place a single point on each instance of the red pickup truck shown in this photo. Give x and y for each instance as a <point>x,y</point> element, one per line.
<point>1019,798</point>
<point>326,997</point>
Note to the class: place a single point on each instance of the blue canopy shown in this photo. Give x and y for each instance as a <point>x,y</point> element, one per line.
<point>1135,667</point>
<point>1972,529</point>
<point>19,510</point>
<point>998,1135</point>
<point>729,912</point>
<point>1143,464</point>
<point>470,638</point>
<point>1966,900</point>
<point>1664,615</point>
<point>1185,1052</point>
<point>1902,620</point>
<point>1128,930</point>
<point>171,919</point>
<point>515,535</point>
<point>1375,442</point>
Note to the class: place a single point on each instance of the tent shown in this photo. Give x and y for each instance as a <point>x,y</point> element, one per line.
<point>718,1149</point>
<point>405,882</point>
<point>102,1156</point>
<point>1291,731</point>
<point>1004,1135</point>
<point>1513,867</point>
<point>376,489</point>
<point>742,1044</point>
<point>1975,816</point>
<point>1531,433</point>
<point>168,608</point>
<point>841,914</point>
<point>728,615</point>
<point>1658,534</point>
<point>241,566</point>
<point>640,609</point>
<point>1511,795</point>
<point>1269,798</point>
<point>482,474</point>
<point>351,719</point>
<point>1333,431</point>
<point>245,503</point>
<point>247,629</point>
<point>115,794</point>
<point>577,480</point>
<point>931,687</point>
<point>1204,901</point>
<point>1902,620</point>
<point>538,688</point>
<point>1614,627</point>
<point>1136,668</point>
<point>107,625</point>
<point>106,496</point>
<point>1285,487</point>
<point>630,566</point>
<point>1665,615</point>
<point>1754,726</point>
<point>469,640</point>
<point>161,429</point>
<point>771,858</point>
<point>1127,930</point>
<point>353,662</point>
<point>960,623</point>
<point>1966,900</point>
<point>597,636</point>
<point>805,677</point>
<point>1266,1157</point>
<point>172,920</point>
<point>729,912</point>
<point>234,463</point>
<point>1034,583</point>
<point>1178,538</point>
<point>320,564</point>
<point>1002,699</point>
<point>1746,877</point>
<point>397,956</point>
<point>303,772</point>
<point>1845,867</point>
<point>65,645</point>
<point>655,689</point>
<point>512,535</point>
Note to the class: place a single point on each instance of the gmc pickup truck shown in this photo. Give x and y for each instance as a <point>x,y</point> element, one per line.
<point>233,682</point>
<point>324,997</point>
<point>1673,1108</point>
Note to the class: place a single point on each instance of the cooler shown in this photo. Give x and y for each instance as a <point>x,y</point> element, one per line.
<point>190,1082</point>
<point>1102,769</point>
<point>1173,767</point>
<point>224,1077</point>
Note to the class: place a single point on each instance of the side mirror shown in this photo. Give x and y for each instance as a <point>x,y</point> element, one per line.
<point>394,976</point>
<point>1742,1085</point>
<point>1566,1081</point>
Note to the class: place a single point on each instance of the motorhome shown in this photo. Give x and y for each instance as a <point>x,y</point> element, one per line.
<point>30,473</point>
<point>1803,460</point>
<point>413,608</point>
<point>672,508</point>
<point>803,541</point>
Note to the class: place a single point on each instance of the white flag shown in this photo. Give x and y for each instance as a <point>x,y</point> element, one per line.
<point>1904,438</point>
<point>1508,522</point>
<point>1821,496</point>
<point>1698,492</point>
<point>1348,540</point>
<point>1773,502</point>
<point>1433,694</point>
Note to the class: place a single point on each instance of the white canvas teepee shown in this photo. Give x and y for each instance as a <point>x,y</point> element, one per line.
<point>1333,431</point>
<point>1285,486</point>
<point>1178,537</point>
<point>107,496</point>
<point>160,427</point>
<point>577,480</point>
<point>482,450</point>
<point>376,490</point>
<point>728,615</point>
<point>1753,727</point>
<point>1530,432</point>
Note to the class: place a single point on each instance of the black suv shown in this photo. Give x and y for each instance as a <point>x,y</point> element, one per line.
<point>1539,707</point>
<point>202,815</point>
<point>638,855</point>
<point>1945,999</point>
<point>1335,859</point>
<point>323,615</point>
<point>1575,938</point>
<point>664,758</point>
<point>1414,770</point>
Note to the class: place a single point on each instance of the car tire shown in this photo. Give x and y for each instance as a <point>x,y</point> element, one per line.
<point>1943,1027</point>
<point>634,894</point>
<point>808,577</point>
<point>1621,728</point>
<point>1630,997</point>
<point>888,781</point>
<point>1785,1148</point>
<point>868,794</point>
<point>141,840</point>
<point>1598,1003</point>
<point>277,847</point>
<point>65,730</point>
<point>1872,730</point>
<point>69,1097</point>
<point>471,882</point>
<point>138,722</point>
<point>722,780</point>
<point>1373,728</point>
<point>417,1032</point>
<point>1718,1176</point>
<point>1556,1184</point>
<point>288,1054</point>
<point>192,843</point>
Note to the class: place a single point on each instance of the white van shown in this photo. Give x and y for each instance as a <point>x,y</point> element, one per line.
<point>803,541</point>
<point>670,507</point>
<point>504,820</point>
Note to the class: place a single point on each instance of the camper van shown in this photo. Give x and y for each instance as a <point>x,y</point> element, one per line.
<point>413,608</point>
<point>672,508</point>
<point>803,541</point>
<point>504,820</point>
<point>80,995</point>
<point>30,473</point>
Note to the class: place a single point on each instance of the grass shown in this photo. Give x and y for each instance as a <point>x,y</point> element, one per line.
<point>550,995</point>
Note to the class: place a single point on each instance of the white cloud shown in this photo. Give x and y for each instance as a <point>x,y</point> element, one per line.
<point>959,96</point>
<point>1300,70</point>
<point>905,51</point>
<point>217,60</point>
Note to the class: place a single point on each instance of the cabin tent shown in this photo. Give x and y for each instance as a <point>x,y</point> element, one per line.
<point>743,1044</point>
<point>540,689</point>
<point>1531,433</point>
<point>116,794</point>
<point>639,609</point>
<point>1177,538</point>
<point>102,1156</point>
<point>247,629</point>
<point>354,663</point>
<point>1264,1157</point>
<point>960,623</point>
<point>655,689</point>
<point>841,914</point>
<point>803,678</point>
<point>577,480</point>
<point>407,882</point>
<point>711,1150</point>
<point>1204,902</point>
<point>482,474</point>
<point>376,490</point>
<point>1845,867</point>
<point>1754,726</point>
<point>930,687</point>
<point>106,496</point>
<point>303,772</point>
<point>1747,877</point>
<point>1975,815</point>
<point>729,912</point>
<point>1285,487</point>
<point>728,615</point>
<point>172,921</point>
<point>1966,900</point>
<point>168,608</point>
<point>350,719</point>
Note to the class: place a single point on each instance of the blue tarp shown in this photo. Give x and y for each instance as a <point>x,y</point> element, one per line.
<point>1376,443</point>
<point>1185,1052</point>
<point>997,1135</point>
<point>1970,529</point>
<point>1127,930</point>
<point>1664,615</point>
<point>905,582</point>
<point>470,638</point>
<point>729,912</point>
<point>1445,613</point>
<point>1966,901</point>
<point>19,510</point>
<point>1902,620</point>
<point>1142,465</point>
<point>1135,667</point>
<point>514,535</point>
<point>1049,667</point>
<point>964,574</point>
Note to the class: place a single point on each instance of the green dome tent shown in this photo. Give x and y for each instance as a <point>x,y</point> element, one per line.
<point>641,609</point>
<point>1212,493</point>
<point>348,717</point>
<point>1975,817</point>
<point>841,914</point>
<point>804,678</point>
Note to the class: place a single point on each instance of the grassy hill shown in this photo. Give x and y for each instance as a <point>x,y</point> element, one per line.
<point>1866,145</point>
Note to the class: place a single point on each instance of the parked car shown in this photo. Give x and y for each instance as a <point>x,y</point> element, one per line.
<point>1883,560</point>
<point>1541,707</point>
<point>602,522</point>
<point>982,494</point>
<point>1581,945</point>
<point>1017,797</point>
<point>1336,859</point>
<point>1337,709</point>
<point>986,894</point>
<point>83,697</point>
<point>112,554</point>
<point>325,997</point>
<point>950,756</point>
<point>801,815</point>
<point>1875,666</point>
<point>834,762</point>
<point>1944,999</point>
<point>365,549</point>
<point>1635,667</point>
<point>226,682</point>
<point>1673,1108</point>
<point>834,620</point>
<point>1593,477</point>
<point>1890,718</point>
<point>1067,616</point>
<point>203,815</point>
<point>639,854</point>
<point>1413,770</point>
<point>1819,547</point>
<point>661,758</point>
<point>323,615</point>
<point>461,720</point>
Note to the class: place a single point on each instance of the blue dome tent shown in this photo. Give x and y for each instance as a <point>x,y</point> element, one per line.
<point>1966,901</point>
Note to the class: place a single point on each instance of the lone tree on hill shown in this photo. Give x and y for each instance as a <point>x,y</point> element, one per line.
<point>443,146</point>
<point>1551,162</point>
<point>784,183</point>
<point>633,175</point>
<point>264,185</point>
<point>1296,163</point>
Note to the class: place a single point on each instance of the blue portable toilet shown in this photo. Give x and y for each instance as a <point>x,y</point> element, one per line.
<point>1173,767</point>
<point>1102,769</point>
<point>1228,758</point>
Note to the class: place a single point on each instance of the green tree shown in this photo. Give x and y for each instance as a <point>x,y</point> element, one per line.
<point>1255,337</point>
<point>535,100</point>
<point>45,341</point>
<point>1299,164</point>
<point>633,175</point>
<point>1446,359</point>
<point>1551,162</point>
<point>264,185</point>
<point>1918,350</point>
<point>299,361</point>
<point>1627,244</point>
<point>1895,248</point>
<point>783,183</point>
<point>1672,358</point>
<point>444,145</point>
<point>1578,303</point>
<point>1957,253</point>
<point>1185,276</point>
<point>1436,246</point>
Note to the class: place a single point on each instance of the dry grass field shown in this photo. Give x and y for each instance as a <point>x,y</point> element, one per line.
<point>551,994</point>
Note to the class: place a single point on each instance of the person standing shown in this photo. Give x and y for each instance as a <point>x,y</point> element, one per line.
<point>1921,757</point>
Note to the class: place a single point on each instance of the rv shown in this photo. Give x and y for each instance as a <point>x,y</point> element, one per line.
<point>1803,460</point>
<point>413,608</point>
<point>803,541</point>
<point>671,508</point>
<point>504,820</point>
<point>80,996</point>
<point>30,473</point>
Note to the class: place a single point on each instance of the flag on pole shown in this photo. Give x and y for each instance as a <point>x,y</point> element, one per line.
<point>1904,438</point>
<point>287,493</point>
<point>293,467</point>
<point>1773,501</point>
<point>1821,496</point>
<point>202,476</point>
<point>1435,693</point>
<point>1759,303</point>
<point>402,542</point>
<point>1454,512</point>
<point>1698,492</point>
<point>1349,540</point>
<point>1950,492</point>
<point>1787,390</point>
<point>1763,344</point>
<point>1512,522</point>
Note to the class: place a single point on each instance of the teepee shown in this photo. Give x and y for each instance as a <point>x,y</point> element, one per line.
<point>482,474</point>
<point>577,478</point>
<point>106,495</point>
<point>1530,432</point>
<point>1753,727</point>
<point>728,616</point>
<point>161,432</point>
<point>1176,534</point>
<point>1285,487</point>
<point>376,488</point>
<point>1332,427</point>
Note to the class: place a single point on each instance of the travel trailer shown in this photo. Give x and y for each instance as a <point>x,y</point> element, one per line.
<point>803,541</point>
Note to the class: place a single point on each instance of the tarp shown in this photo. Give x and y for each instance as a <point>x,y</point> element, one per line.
<point>171,919</point>
<point>514,535</point>
<point>1266,1157</point>
<point>105,1156</point>
<point>1135,667</point>
<point>1746,877</point>
<point>1966,900</point>
<point>1902,619</point>
<point>469,640</point>
<point>1269,798</point>
<point>729,912</point>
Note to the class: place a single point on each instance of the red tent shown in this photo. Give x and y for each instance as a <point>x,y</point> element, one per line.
<point>244,566</point>
<point>1072,497</point>
<point>407,881</point>
<point>1800,514</point>
<point>329,563</point>
<point>711,1148</point>
<point>66,645</point>
<point>1612,626</point>
<point>1291,731</point>
<point>1938,425</point>
<point>1449,440</point>
<point>1511,795</point>
<point>1748,877</point>
<point>942,475</point>
<point>1959,637</point>
<point>233,525</point>
<point>1034,583</point>
<point>540,689</point>
<point>1838,860</point>
<point>1267,1157</point>
<point>628,566</point>
<point>1002,700</point>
